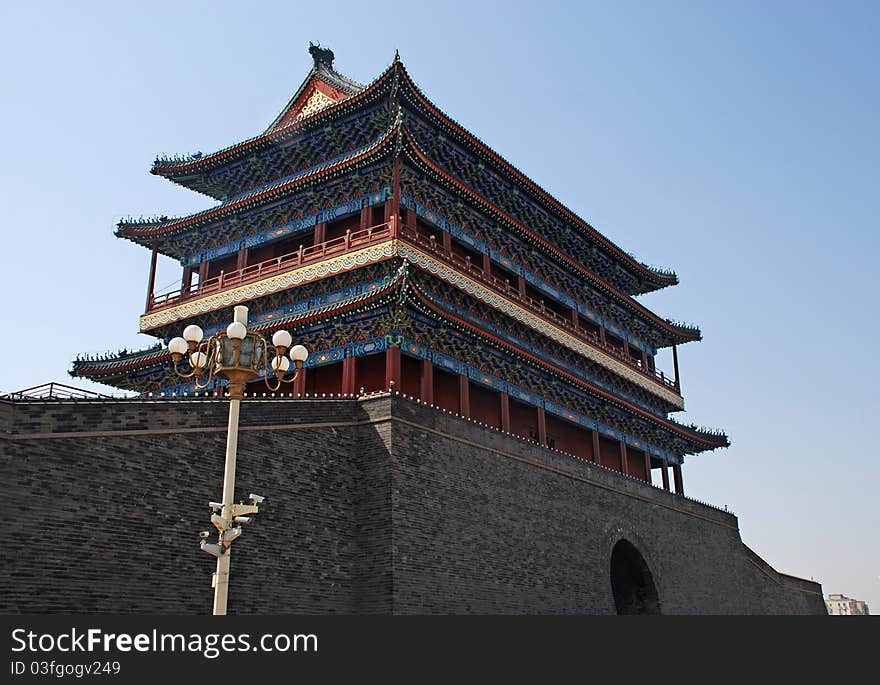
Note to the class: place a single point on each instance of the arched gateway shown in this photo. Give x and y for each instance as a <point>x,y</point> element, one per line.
<point>631,581</point>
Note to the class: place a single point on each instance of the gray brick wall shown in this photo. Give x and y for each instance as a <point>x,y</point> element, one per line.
<point>375,506</point>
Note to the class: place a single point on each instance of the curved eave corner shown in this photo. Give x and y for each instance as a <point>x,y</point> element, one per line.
<point>138,230</point>
<point>712,439</point>
<point>111,364</point>
<point>664,278</point>
<point>686,332</point>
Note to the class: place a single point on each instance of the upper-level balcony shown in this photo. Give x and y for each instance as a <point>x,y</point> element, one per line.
<point>353,241</point>
<point>541,307</point>
<point>313,254</point>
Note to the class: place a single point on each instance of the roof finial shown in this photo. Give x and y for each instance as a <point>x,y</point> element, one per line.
<point>396,55</point>
<point>321,55</point>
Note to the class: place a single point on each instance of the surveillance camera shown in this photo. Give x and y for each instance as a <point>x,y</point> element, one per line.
<point>242,519</point>
<point>211,548</point>
<point>256,499</point>
<point>230,535</point>
<point>205,534</point>
<point>215,505</point>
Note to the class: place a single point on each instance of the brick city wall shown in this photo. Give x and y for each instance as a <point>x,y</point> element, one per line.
<point>375,506</point>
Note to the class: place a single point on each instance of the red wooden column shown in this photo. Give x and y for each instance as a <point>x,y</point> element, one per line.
<point>602,334</point>
<point>624,462</point>
<point>464,396</point>
<point>151,282</point>
<point>487,265</point>
<point>299,383</point>
<point>349,375</point>
<point>521,285</point>
<point>366,218</point>
<point>675,367</point>
<point>203,273</point>
<point>665,471</point>
<point>411,220</point>
<point>574,317</point>
<point>505,412</point>
<point>644,360</point>
<point>394,203</point>
<point>542,426</point>
<point>242,258</point>
<point>426,386</point>
<point>676,473</point>
<point>447,242</point>
<point>392,368</point>
<point>647,467</point>
<point>320,233</point>
<point>186,281</point>
<point>392,219</point>
<point>596,458</point>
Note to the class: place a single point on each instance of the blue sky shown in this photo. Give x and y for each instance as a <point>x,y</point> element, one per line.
<point>735,143</point>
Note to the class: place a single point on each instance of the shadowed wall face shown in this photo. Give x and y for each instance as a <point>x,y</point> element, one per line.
<point>111,513</point>
<point>110,496</point>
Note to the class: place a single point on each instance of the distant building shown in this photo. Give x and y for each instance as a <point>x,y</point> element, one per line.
<point>839,605</point>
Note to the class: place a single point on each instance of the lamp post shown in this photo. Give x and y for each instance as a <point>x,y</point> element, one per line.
<point>238,356</point>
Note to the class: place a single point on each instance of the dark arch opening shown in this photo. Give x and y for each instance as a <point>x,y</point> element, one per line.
<point>631,581</point>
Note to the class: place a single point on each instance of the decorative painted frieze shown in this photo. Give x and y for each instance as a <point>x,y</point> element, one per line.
<point>288,279</point>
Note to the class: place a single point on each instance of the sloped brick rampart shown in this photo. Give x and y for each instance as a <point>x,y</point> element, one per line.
<point>377,505</point>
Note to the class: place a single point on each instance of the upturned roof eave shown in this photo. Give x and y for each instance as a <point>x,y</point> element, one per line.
<point>147,233</point>
<point>674,333</point>
<point>150,232</point>
<point>660,278</point>
<point>152,356</point>
<point>177,171</point>
<point>186,172</point>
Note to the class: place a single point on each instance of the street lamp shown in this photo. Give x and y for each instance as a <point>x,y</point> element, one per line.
<point>237,355</point>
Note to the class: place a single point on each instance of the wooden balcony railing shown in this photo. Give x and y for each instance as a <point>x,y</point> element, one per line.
<point>352,240</point>
<point>538,307</point>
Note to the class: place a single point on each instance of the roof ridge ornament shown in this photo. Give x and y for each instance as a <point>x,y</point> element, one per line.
<point>321,55</point>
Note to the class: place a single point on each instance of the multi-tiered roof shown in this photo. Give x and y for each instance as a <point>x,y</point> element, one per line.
<point>366,219</point>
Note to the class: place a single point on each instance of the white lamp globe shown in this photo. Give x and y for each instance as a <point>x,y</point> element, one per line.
<point>177,346</point>
<point>280,364</point>
<point>282,339</point>
<point>192,333</point>
<point>236,330</point>
<point>198,359</point>
<point>298,353</point>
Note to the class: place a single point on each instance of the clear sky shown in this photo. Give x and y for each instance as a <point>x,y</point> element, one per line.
<point>736,143</point>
